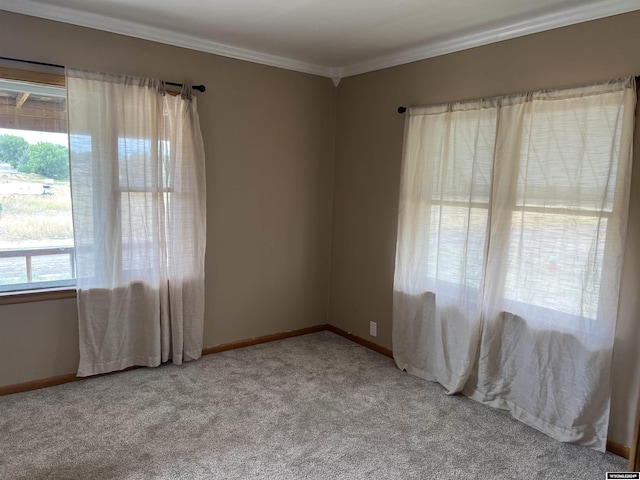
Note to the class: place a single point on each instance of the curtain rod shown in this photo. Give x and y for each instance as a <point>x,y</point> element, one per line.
<point>200,88</point>
<point>402,109</point>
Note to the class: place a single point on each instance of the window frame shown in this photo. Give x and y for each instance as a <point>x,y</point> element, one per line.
<point>45,292</point>
<point>512,173</point>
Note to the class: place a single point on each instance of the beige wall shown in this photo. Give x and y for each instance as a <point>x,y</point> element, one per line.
<point>38,340</point>
<point>269,140</point>
<point>367,168</point>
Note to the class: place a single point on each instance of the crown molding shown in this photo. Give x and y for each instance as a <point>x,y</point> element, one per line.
<point>541,23</point>
<point>160,35</point>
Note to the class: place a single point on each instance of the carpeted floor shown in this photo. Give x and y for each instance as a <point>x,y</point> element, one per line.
<point>311,407</point>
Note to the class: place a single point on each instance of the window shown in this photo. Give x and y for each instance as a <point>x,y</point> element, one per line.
<point>562,206</point>
<point>36,227</point>
<point>517,204</point>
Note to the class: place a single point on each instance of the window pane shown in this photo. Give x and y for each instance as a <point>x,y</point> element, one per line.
<point>464,161</point>
<point>139,214</point>
<point>457,245</point>
<point>135,170</point>
<point>567,157</point>
<point>555,262</point>
<point>36,227</point>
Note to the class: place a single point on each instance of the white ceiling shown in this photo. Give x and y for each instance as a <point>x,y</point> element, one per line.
<point>333,38</point>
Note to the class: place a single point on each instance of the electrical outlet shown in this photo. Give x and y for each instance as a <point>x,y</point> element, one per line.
<point>373,329</point>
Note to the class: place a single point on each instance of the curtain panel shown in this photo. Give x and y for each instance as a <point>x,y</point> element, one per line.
<point>139,200</point>
<point>512,220</point>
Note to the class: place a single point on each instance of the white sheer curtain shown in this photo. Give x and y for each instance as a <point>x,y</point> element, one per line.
<point>138,192</point>
<point>510,241</point>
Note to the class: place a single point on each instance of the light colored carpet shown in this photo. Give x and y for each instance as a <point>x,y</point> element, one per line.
<point>311,407</point>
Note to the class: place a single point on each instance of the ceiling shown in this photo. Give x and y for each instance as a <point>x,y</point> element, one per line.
<point>333,38</point>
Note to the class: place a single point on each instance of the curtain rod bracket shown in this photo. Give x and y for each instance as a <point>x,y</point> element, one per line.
<point>402,109</point>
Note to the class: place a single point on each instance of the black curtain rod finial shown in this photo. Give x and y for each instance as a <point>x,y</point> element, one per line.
<point>200,88</point>
<point>402,109</point>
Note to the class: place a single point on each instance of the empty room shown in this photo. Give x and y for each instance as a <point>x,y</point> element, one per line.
<point>268,239</point>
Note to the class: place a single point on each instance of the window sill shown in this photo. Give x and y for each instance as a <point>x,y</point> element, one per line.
<point>42,295</point>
